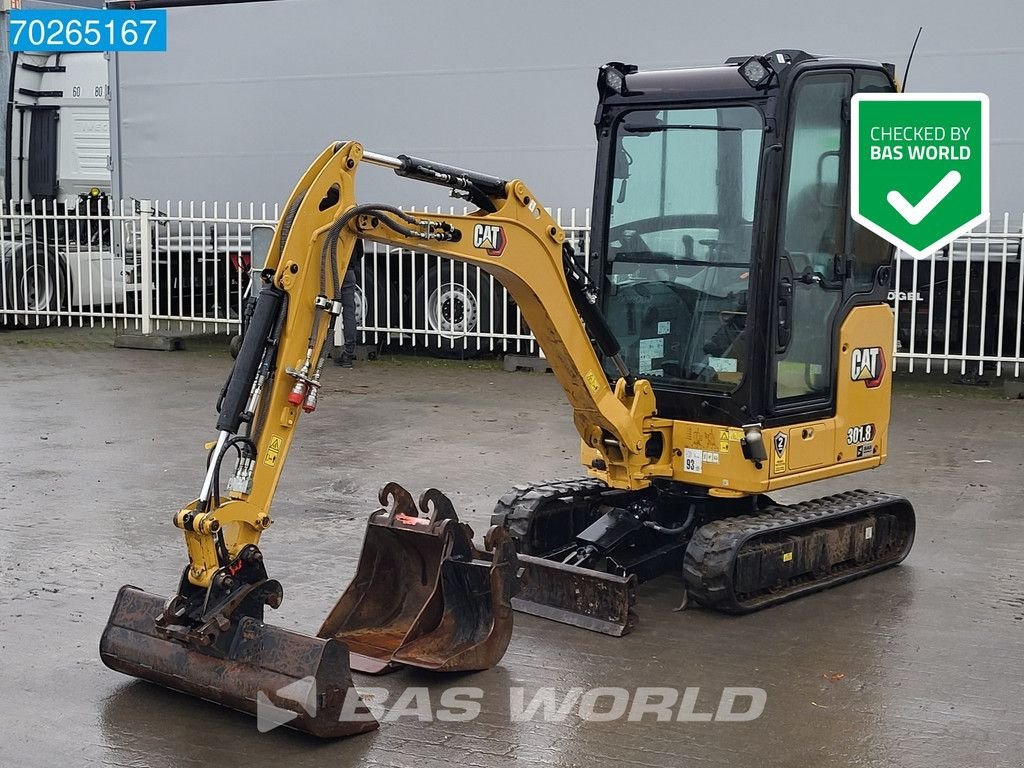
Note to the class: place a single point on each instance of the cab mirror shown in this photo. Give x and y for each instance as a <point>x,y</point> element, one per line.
<point>260,239</point>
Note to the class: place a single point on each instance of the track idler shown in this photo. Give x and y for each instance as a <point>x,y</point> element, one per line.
<point>422,595</point>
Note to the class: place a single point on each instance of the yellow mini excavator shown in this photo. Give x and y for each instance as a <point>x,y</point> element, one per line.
<point>730,338</point>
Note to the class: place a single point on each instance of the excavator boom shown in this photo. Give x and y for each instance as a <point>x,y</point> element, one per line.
<point>452,613</point>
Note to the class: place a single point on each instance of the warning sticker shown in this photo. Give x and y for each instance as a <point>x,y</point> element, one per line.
<point>726,436</point>
<point>693,460</point>
<point>651,350</point>
<point>779,442</point>
<point>273,451</point>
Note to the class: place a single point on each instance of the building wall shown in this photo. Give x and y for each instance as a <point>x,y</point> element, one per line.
<point>247,95</point>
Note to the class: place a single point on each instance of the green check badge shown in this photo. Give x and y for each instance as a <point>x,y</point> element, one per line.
<point>919,170</point>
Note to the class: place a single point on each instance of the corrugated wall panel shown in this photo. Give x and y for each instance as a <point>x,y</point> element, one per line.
<point>247,95</point>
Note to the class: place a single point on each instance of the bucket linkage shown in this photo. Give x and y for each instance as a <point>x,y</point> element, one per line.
<point>213,643</point>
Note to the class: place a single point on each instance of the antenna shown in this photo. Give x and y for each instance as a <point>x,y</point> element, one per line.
<point>910,58</point>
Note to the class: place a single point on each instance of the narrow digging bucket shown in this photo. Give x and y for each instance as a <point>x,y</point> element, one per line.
<point>475,606</point>
<point>281,677</point>
<point>580,597</point>
<point>419,597</point>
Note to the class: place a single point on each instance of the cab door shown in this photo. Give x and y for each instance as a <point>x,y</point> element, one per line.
<point>826,266</point>
<point>811,242</point>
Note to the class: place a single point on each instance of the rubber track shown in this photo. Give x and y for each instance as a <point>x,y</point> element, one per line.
<point>711,553</point>
<point>517,508</point>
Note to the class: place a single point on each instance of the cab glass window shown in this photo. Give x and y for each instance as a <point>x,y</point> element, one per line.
<point>677,264</point>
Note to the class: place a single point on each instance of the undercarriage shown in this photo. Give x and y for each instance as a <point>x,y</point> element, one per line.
<point>584,548</point>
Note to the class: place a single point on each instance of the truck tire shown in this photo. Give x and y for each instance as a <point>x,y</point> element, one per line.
<point>35,285</point>
<point>452,304</point>
<point>378,303</point>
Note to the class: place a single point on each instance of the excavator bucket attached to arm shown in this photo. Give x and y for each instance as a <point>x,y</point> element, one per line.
<point>282,677</point>
<point>420,597</point>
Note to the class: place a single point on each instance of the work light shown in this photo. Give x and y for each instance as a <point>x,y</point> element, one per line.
<point>756,71</point>
<point>612,77</point>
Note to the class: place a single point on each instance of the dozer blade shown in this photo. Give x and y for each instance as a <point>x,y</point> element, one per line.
<point>419,596</point>
<point>581,597</point>
<point>282,677</point>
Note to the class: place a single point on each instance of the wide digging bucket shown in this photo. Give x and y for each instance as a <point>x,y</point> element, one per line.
<point>580,597</point>
<point>281,677</point>
<point>420,596</point>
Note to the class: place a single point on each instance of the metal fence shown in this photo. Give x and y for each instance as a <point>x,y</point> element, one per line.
<point>86,266</point>
<point>957,311</point>
<point>960,309</point>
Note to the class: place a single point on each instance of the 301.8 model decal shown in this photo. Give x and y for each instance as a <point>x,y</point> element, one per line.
<point>862,433</point>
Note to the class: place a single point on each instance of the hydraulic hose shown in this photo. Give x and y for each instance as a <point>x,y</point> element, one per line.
<point>581,289</point>
<point>676,529</point>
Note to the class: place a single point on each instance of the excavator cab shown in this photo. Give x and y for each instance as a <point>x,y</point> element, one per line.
<point>722,236</point>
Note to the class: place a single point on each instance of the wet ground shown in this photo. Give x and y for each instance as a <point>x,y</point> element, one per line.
<point>921,665</point>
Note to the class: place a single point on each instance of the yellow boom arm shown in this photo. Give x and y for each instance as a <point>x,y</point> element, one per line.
<point>518,243</point>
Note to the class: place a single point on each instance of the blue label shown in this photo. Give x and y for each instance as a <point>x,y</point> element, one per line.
<point>88,30</point>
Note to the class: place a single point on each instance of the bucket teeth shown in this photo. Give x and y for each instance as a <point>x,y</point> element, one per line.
<point>280,676</point>
<point>420,595</point>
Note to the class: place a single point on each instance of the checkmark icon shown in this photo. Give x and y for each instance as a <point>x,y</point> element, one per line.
<point>914,214</point>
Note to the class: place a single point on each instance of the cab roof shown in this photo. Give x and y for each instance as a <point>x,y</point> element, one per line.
<point>717,82</point>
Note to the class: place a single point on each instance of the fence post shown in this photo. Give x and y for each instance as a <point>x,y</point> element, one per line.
<point>146,266</point>
<point>147,339</point>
